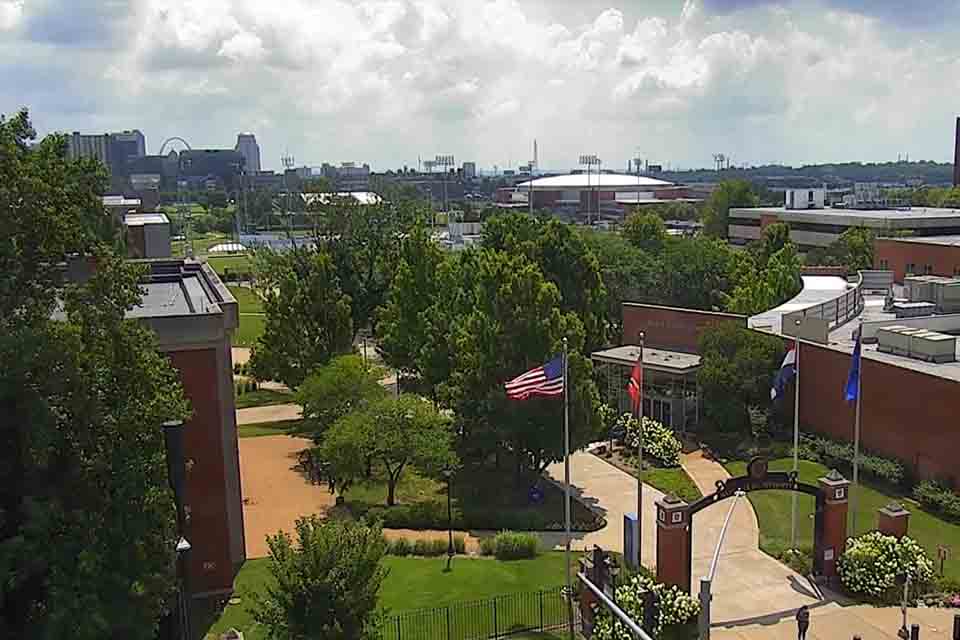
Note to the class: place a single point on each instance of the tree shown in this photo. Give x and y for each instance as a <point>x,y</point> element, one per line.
<point>504,319</point>
<point>629,275</point>
<point>307,314</point>
<point>83,395</point>
<point>735,374</point>
<point>332,391</point>
<point>326,586</point>
<point>697,271</point>
<point>730,193</point>
<point>774,238</point>
<point>761,288</point>
<point>646,231</point>
<point>395,433</point>
<point>416,287</point>
<point>853,250</point>
<point>563,257</point>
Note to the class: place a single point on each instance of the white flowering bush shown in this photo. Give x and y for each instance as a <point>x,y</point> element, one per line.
<point>675,608</point>
<point>874,565</point>
<point>659,441</point>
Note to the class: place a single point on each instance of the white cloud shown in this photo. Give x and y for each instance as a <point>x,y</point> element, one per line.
<point>384,80</point>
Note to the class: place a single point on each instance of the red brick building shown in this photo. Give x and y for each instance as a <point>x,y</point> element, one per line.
<point>194,315</point>
<point>672,328</point>
<point>937,255</point>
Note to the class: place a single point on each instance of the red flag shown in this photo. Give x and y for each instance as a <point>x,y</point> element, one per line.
<point>635,386</point>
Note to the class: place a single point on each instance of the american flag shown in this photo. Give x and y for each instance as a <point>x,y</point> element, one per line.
<point>542,381</point>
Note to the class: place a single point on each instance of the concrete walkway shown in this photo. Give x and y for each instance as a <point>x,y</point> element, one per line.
<point>748,585</point>
<point>269,413</point>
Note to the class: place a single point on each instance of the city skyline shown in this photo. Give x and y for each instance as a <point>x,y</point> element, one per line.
<point>762,82</point>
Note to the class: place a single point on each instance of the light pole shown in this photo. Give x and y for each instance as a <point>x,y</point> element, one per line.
<point>448,474</point>
<point>589,160</point>
<point>444,162</point>
<point>176,471</point>
<point>904,632</point>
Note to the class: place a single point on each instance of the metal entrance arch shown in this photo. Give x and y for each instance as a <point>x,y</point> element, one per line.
<point>758,478</point>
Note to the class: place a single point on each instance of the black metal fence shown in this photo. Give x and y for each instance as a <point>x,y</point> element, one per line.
<point>498,617</point>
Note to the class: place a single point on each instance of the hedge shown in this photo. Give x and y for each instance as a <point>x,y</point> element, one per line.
<point>659,441</point>
<point>840,454</point>
<point>427,548</point>
<point>938,499</point>
<point>874,564</point>
<point>433,515</point>
<point>510,545</point>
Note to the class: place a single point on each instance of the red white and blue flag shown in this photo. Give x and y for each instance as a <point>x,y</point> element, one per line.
<point>542,381</point>
<point>787,370</point>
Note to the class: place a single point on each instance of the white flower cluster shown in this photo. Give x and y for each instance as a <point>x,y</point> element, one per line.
<point>874,564</point>
<point>659,441</point>
<point>674,608</point>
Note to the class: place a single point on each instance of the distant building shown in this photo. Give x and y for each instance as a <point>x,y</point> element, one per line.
<point>201,167</point>
<point>114,150</point>
<point>247,147</point>
<point>348,176</point>
<point>469,170</point>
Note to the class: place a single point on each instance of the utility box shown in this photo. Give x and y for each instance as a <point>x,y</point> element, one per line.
<point>933,347</point>
<point>948,296</point>
<point>913,309</point>
<point>892,340</point>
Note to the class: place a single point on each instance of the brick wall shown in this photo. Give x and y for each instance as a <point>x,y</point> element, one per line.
<point>767,219</point>
<point>211,568</point>
<point>895,255</point>
<point>671,328</point>
<point>905,414</point>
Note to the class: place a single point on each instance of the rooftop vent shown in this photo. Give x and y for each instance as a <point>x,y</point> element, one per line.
<point>921,344</point>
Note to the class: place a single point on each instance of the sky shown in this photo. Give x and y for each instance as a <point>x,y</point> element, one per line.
<point>386,82</point>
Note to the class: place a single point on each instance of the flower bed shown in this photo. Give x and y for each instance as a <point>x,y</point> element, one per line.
<point>675,609</point>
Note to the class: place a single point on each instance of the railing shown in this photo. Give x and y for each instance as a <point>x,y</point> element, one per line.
<point>835,312</point>
<point>498,617</point>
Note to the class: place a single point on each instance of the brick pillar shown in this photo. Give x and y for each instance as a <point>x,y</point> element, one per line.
<point>893,520</point>
<point>673,542</point>
<point>836,489</point>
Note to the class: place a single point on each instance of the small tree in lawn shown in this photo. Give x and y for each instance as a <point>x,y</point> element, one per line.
<point>394,433</point>
<point>336,389</point>
<point>326,586</point>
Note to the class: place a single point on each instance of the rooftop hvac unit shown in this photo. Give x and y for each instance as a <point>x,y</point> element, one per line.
<point>891,340</point>
<point>933,347</point>
<point>913,309</point>
<point>918,288</point>
<point>946,295</point>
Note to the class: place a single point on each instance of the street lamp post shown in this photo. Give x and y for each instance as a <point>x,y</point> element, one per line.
<point>904,632</point>
<point>448,474</point>
<point>176,471</point>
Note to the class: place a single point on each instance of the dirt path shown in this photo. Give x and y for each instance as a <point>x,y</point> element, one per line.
<point>274,494</point>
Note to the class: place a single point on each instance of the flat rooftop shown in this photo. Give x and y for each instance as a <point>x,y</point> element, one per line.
<point>180,288</point>
<point>945,241</point>
<point>655,359</point>
<point>902,218</point>
<point>140,219</point>
<point>583,180</point>
<point>816,290</point>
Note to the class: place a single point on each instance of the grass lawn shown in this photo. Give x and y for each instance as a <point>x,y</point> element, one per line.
<point>262,398</point>
<point>236,263</point>
<point>671,481</point>
<point>249,331</point>
<point>279,428</point>
<point>483,498</point>
<point>773,513</point>
<point>247,300</point>
<point>414,583</point>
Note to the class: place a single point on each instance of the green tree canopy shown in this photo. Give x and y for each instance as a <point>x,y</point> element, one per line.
<point>86,516</point>
<point>697,272</point>
<point>395,433</point>
<point>853,250</point>
<point>335,389</point>
<point>646,231</point>
<point>324,586</point>
<point>738,365</point>
<point>307,314</point>
<point>416,288</point>
<point>763,287</point>
<point>730,193</point>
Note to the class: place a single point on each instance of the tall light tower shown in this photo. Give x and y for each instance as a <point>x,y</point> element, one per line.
<point>444,162</point>
<point>288,162</point>
<point>637,163</point>
<point>589,160</point>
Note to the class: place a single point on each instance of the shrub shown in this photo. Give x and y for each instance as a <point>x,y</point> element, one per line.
<point>938,498</point>
<point>873,565</point>
<point>236,368</point>
<point>840,454</point>
<point>659,441</point>
<point>488,546</point>
<point>421,548</point>
<point>433,515</point>
<point>675,609</point>
<point>459,545</point>
<point>399,547</point>
<point>438,547</point>
<point>510,545</point>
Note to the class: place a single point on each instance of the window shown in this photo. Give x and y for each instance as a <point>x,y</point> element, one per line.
<point>884,264</point>
<point>911,267</point>
<point>927,269</point>
<point>810,197</point>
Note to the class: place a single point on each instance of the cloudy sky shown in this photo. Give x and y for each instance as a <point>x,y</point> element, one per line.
<point>385,81</point>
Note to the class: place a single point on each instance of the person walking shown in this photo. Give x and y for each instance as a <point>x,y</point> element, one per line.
<point>803,622</point>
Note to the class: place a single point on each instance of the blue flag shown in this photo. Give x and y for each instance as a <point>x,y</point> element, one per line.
<point>853,378</point>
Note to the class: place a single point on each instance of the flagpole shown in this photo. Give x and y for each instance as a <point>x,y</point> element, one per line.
<point>856,442</point>
<point>796,441</point>
<point>566,480</point>
<point>639,412</point>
